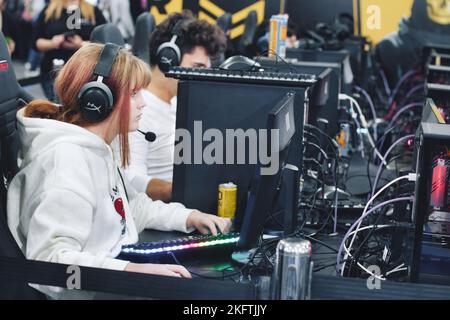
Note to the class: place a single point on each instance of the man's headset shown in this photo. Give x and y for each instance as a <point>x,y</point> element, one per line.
<point>168,53</point>
<point>95,98</point>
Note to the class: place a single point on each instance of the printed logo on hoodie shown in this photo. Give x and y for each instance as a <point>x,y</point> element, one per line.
<point>118,205</point>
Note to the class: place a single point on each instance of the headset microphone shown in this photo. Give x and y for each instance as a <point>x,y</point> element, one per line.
<point>149,136</point>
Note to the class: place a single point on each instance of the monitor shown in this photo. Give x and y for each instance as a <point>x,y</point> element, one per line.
<point>306,14</point>
<point>324,96</point>
<point>265,187</point>
<point>440,95</point>
<point>342,57</point>
<point>432,114</point>
<point>221,106</point>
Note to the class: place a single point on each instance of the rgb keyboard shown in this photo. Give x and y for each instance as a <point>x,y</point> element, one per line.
<point>182,248</point>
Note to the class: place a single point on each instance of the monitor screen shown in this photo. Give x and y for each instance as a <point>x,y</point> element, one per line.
<point>264,187</point>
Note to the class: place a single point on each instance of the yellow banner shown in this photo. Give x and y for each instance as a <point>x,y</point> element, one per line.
<point>170,7</point>
<point>210,11</point>
<point>439,11</point>
<point>382,17</point>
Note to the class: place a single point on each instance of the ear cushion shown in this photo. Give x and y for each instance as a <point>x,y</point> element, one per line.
<point>168,56</point>
<point>96,101</point>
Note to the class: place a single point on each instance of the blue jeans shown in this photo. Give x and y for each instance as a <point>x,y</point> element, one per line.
<point>34,57</point>
<point>47,86</point>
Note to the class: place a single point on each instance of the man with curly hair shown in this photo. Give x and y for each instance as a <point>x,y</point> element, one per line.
<point>151,165</point>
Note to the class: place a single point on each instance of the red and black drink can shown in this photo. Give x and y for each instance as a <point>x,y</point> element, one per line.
<point>439,184</point>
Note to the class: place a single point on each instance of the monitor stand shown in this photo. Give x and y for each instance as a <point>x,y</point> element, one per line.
<point>243,257</point>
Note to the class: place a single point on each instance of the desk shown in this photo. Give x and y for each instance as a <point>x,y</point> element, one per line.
<point>213,266</point>
<point>208,267</point>
<point>325,285</point>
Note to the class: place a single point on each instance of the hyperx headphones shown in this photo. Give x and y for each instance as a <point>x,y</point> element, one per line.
<point>168,54</point>
<point>95,99</point>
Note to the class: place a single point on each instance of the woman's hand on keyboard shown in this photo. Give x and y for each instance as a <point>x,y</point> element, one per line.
<point>208,223</point>
<point>170,270</point>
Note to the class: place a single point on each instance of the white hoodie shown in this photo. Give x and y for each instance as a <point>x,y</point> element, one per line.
<point>60,204</point>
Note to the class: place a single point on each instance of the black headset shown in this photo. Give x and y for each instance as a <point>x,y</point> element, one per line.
<point>168,53</point>
<point>95,98</point>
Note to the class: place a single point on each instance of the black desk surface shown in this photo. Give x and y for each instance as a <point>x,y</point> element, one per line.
<point>326,285</point>
<point>208,267</point>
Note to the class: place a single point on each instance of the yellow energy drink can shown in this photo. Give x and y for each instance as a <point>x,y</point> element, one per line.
<point>227,200</point>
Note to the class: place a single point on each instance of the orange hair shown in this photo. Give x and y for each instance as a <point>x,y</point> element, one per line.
<point>128,74</point>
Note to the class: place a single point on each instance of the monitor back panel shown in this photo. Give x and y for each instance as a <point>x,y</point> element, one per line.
<point>221,106</point>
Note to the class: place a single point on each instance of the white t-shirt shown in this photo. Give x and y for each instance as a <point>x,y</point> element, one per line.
<point>153,160</point>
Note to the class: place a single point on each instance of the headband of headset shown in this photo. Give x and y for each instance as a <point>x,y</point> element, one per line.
<point>95,98</point>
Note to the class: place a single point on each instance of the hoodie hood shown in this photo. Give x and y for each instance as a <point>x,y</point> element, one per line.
<point>37,136</point>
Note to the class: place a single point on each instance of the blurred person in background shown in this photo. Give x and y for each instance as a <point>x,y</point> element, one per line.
<point>7,27</point>
<point>70,203</point>
<point>59,34</point>
<point>151,164</point>
<point>118,12</point>
<point>402,51</point>
<point>137,7</point>
<point>30,14</point>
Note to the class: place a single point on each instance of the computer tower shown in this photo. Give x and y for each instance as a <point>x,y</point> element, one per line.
<point>432,53</point>
<point>438,74</point>
<point>430,259</point>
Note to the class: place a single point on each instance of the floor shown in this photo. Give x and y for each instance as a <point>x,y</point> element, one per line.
<point>34,90</point>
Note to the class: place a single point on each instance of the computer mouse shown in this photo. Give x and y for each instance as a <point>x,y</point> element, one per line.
<point>240,63</point>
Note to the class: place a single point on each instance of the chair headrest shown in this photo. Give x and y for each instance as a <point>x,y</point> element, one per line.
<point>107,33</point>
<point>224,22</point>
<point>251,23</point>
<point>10,91</point>
<point>145,24</point>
